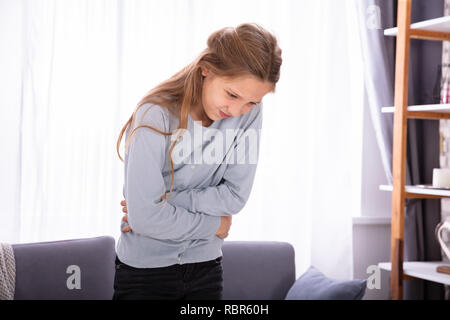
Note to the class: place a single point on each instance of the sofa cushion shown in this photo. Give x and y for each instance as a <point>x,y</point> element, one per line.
<point>257,270</point>
<point>314,285</point>
<point>48,270</point>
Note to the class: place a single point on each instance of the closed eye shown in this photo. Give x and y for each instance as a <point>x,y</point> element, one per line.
<point>234,97</point>
<point>231,95</point>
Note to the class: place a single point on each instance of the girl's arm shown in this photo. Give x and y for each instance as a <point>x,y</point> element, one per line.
<point>231,195</point>
<point>147,213</point>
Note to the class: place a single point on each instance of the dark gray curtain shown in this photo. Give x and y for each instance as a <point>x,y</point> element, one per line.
<point>421,216</point>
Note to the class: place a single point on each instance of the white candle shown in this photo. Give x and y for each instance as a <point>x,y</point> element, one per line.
<point>441,178</point>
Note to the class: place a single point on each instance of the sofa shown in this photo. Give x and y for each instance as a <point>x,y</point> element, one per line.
<point>252,270</point>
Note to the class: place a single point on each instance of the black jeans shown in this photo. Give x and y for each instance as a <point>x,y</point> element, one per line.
<point>190,281</point>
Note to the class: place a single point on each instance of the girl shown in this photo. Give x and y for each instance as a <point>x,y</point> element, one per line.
<point>193,132</point>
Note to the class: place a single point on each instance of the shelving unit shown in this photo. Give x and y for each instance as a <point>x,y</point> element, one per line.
<point>429,111</point>
<point>438,30</point>
<point>433,29</point>
<point>422,270</point>
<point>419,192</point>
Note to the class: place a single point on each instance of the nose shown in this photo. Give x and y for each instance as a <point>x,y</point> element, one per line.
<point>235,111</point>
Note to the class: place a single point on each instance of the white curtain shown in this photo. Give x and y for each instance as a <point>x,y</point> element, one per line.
<point>72,72</point>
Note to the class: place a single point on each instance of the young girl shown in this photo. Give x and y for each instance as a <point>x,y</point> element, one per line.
<point>191,134</point>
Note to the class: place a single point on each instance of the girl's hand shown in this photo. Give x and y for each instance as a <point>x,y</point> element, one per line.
<point>224,228</point>
<point>125,217</point>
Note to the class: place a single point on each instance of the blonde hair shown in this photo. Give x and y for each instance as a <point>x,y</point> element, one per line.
<point>231,52</point>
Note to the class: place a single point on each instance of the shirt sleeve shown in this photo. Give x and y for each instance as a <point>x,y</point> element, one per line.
<point>147,213</point>
<point>232,193</point>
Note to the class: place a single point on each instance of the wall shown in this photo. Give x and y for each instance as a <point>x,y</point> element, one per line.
<point>372,231</point>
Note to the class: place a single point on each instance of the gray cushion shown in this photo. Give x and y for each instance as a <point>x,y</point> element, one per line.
<point>42,269</point>
<point>257,270</point>
<point>314,285</point>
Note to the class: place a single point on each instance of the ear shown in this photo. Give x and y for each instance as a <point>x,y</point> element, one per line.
<point>205,71</point>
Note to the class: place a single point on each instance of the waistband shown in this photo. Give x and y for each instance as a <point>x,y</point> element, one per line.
<point>174,266</point>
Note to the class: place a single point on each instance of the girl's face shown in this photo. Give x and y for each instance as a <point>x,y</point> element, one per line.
<point>230,97</point>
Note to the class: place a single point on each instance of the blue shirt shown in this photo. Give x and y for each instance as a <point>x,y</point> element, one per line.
<point>214,170</point>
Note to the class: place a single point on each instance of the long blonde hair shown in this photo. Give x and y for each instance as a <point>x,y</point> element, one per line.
<point>247,49</point>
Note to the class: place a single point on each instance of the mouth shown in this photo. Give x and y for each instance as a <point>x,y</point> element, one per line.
<point>224,115</point>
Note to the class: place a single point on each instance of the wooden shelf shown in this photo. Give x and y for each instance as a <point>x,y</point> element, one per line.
<point>441,24</point>
<point>433,29</point>
<point>425,270</point>
<point>418,192</point>
<point>428,111</point>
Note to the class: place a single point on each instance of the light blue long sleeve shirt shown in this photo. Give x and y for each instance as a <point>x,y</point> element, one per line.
<point>214,170</point>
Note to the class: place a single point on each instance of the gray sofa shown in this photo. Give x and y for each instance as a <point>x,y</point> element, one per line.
<point>260,270</point>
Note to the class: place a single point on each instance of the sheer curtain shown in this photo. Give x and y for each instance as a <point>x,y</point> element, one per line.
<point>73,72</point>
